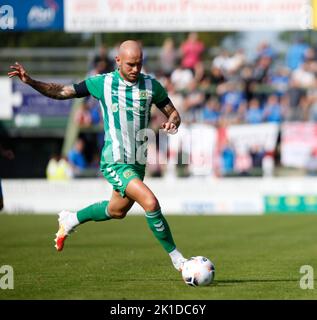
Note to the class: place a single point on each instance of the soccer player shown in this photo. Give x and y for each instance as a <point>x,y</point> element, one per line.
<point>6,153</point>
<point>125,97</point>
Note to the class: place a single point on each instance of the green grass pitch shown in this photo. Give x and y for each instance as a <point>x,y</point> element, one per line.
<point>256,257</point>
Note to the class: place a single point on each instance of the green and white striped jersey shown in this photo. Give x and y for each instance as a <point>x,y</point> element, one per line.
<point>126,111</point>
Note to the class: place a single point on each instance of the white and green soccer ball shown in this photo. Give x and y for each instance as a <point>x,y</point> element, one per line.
<point>198,271</point>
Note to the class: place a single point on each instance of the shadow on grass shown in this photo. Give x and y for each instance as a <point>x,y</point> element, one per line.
<point>234,281</point>
<point>214,283</point>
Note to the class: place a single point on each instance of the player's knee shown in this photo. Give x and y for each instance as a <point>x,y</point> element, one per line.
<point>121,215</point>
<point>118,214</point>
<point>151,204</point>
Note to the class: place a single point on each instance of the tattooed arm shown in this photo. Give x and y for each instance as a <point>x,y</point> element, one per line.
<point>51,90</point>
<point>173,118</point>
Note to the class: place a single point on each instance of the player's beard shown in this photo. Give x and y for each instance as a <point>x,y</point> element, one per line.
<point>133,78</point>
<point>128,77</point>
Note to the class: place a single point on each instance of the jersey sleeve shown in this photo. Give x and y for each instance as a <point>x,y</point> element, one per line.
<point>160,96</point>
<point>95,85</point>
<point>81,89</point>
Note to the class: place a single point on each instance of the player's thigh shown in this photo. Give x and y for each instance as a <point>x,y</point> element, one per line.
<point>142,194</point>
<point>119,204</point>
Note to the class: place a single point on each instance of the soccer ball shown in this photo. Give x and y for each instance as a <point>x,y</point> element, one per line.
<point>198,271</point>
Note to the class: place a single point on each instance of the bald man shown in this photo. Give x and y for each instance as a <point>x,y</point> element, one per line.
<point>126,96</point>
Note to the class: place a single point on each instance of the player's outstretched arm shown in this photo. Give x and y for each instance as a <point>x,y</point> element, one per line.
<point>173,118</point>
<point>51,90</point>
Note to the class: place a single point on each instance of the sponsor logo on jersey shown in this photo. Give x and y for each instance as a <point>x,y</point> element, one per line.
<point>143,94</point>
<point>127,174</point>
<point>115,107</point>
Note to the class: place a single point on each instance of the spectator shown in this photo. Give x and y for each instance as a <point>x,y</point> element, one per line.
<point>254,114</point>
<point>285,106</point>
<point>101,62</point>
<point>264,49</point>
<point>211,111</point>
<point>312,103</point>
<point>168,57</point>
<point>181,78</point>
<point>228,116</point>
<point>261,69</point>
<point>249,84</point>
<point>76,158</point>
<point>302,79</point>
<point>176,96</point>
<point>227,159</point>
<point>216,76</point>
<point>95,113</point>
<point>311,58</point>
<point>280,81</point>
<point>257,155</point>
<point>58,169</point>
<point>193,102</point>
<point>235,63</point>
<point>221,61</point>
<point>273,110</point>
<point>296,54</point>
<point>205,85</point>
<point>82,115</point>
<point>191,50</point>
<point>231,93</point>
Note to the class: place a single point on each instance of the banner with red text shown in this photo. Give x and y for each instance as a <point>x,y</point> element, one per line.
<point>186,15</point>
<point>298,142</point>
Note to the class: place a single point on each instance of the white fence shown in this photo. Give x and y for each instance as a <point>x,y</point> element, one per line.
<point>177,196</point>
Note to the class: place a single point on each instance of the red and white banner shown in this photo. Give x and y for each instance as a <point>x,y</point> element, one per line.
<point>244,139</point>
<point>298,141</point>
<point>201,145</point>
<point>186,15</point>
<point>246,136</point>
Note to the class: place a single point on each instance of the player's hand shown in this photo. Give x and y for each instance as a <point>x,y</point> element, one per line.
<point>169,127</point>
<point>19,71</point>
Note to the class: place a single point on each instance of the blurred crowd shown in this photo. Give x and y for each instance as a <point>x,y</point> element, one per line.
<point>228,88</point>
<point>231,89</point>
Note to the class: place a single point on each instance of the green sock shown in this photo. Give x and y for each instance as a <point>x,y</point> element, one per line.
<point>96,212</point>
<point>161,230</point>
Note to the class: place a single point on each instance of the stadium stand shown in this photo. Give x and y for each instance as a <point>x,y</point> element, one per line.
<point>219,89</point>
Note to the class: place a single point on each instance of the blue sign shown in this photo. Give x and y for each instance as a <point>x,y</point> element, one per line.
<point>32,15</point>
<point>27,101</point>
